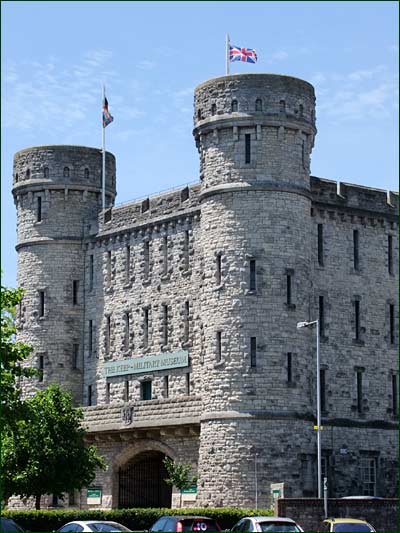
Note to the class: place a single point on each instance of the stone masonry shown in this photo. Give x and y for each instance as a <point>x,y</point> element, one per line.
<point>223,270</point>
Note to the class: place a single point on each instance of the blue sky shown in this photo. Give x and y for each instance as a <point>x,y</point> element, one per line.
<point>151,55</point>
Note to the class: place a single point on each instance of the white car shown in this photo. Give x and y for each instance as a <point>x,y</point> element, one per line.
<point>267,523</point>
<point>93,525</point>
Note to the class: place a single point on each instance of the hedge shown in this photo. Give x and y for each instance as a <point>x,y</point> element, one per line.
<point>134,519</point>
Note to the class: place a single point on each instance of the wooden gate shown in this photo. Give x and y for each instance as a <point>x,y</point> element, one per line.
<point>141,482</point>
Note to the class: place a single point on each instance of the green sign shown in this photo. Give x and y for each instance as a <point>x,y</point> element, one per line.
<point>94,493</point>
<point>149,363</point>
<point>189,490</point>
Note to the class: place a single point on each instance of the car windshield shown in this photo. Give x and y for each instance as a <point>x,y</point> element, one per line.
<point>349,527</point>
<point>108,526</point>
<point>278,526</point>
<point>199,525</point>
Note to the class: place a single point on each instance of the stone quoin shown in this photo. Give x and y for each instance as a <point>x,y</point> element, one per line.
<point>221,271</point>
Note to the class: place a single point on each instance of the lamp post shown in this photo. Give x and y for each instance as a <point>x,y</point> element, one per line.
<point>306,325</point>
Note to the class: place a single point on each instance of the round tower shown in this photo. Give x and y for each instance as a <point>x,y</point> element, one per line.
<point>57,193</point>
<point>254,133</point>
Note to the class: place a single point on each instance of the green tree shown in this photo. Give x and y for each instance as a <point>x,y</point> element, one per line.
<point>179,475</point>
<point>47,454</point>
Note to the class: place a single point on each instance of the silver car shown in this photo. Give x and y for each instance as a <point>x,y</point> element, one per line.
<point>267,523</point>
<point>92,525</point>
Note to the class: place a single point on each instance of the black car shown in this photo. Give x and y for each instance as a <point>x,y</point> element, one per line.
<point>185,523</point>
<point>8,525</point>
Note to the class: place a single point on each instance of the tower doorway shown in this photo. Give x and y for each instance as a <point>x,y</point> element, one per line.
<point>141,482</point>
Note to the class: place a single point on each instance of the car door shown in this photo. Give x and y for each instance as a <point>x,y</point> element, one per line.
<point>238,526</point>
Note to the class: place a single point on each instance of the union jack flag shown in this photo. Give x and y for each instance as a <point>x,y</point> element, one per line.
<point>107,118</point>
<point>247,55</point>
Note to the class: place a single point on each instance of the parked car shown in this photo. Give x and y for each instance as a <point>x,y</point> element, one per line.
<point>185,523</point>
<point>266,523</point>
<point>93,525</point>
<point>8,525</point>
<point>348,525</point>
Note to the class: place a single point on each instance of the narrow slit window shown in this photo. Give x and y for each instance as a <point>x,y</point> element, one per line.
<point>391,323</point>
<point>356,260</point>
<point>253,352</point>
<point>109,268</point>
<point>145,390</point>
<point>127,332</point>
<point>219,346</point>
<point>126,391</point>
<point>90,395</point>
<point>301,111</point>
<point>218,270</point>
<point>282,106</point>
<point>86,173</point>
<point>247,143</point>
<point>357,319</point>
<point>289,367</point>
<point>146,259</point>
<point>39,209</point>
<point>259,104</point>
<point>214,109</point>
<point>46,173</point>
<point>187,377</point>
<point>395,409</point>
<point>75,356</point>
<point>41,367</point>
<point>75,289</point>
<point>252,267</point>
<point>90,337</point>
<point>288,289</point>
<point>145,328</point>
<point>108,392</point>
<point>234,106</point>
<point>359,392</point>
<point>390,254</point>
<point>320,244</point>
<point>66,172</point>
<point>165,255</point>
<point>165,324</point>
<point>321,315</point>
<point>127,262</point>
<point>322,388</point>
<point>186,321</point>
<point>166,386</point>
<point>91,271</point>
<point>186,250</point>
<point>41,303</point>
<point>108,334</point>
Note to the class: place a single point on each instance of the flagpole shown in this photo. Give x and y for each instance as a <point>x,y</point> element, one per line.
<point>103,176</point>
<point>227,54</point>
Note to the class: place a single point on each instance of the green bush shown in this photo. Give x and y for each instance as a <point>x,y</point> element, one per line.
<point>135,519</point>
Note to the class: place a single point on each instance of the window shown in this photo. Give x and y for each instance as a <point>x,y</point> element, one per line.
<point>368,475</point>
<point>301,110</point>
<point>16,177</point>
<point>108,392</point>
<point>289,289</point>
<point>41,367</point>
<point>46,173</point>
<point>89,399</point>
<point>184,194</point>
<point>321,316</point>
<point>252,267</point>
<point>146,258</point>
<point>199,117</point>
<point>219,346</point>
<point>214,109</point>
<point>258,104</point>
<point>187,380</point>
<point>322,389</point>
<point>320,244</point>
<point>66,172</point>
<point>166,386</point>
<point>253,352</point>
<point>39,209</point>
<point>109,268</point>
<point>390,254</point>
<point>391,323</point>
<point>41,303</point>
<point>218,275</point>
<point>145,205</point>
<point>126,391</point>
<point>75,356</point>
<point>234,106</point>
<point>394,395</point>
<point>186,250</point>
<point>91,271</point>
<point>165,324</point>
<point>356,262</point>
<point>165,255</point>
<point>289,367</point>
<point>86,173</point>
<point>75,288</point>
<point>357,319</point>
<point>247,144</point>
<point>108,334</point>
<point>359,375</point>
<point>145,390</point>
<point>186,321</point>
<point>127,262</point>
<point>90,337</point>
<point>145,328</point>
<point>28,174</point>
<point>127,332</point>
<point>282,106</point>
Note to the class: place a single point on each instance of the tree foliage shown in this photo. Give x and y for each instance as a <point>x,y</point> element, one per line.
<point>47,454</point>
<point>179,475</point>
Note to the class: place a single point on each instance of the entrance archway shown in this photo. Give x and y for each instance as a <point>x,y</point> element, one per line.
<point>141,482</point>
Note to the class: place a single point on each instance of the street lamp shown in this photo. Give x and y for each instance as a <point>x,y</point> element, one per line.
<point>306,325</point>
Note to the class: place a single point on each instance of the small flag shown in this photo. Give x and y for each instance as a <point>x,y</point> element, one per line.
<point>247,55</point>
<point>107,118</point>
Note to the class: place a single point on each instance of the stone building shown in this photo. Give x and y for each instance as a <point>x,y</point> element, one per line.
<point>172,320</point>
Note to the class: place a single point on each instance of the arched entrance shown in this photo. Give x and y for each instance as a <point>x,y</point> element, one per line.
<point>141,482</point>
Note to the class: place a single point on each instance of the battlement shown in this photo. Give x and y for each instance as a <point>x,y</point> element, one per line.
<point>351,196</point>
